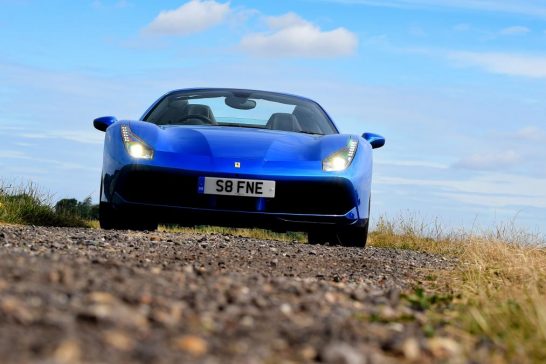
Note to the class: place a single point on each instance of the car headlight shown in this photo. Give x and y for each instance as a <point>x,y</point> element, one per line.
<point>135,146</point>
<point>341,159</point>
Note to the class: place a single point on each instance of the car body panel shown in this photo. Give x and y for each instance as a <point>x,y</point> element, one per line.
<point>237,152</point>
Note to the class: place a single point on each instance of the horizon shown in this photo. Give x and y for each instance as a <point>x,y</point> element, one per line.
<point>457,89</point>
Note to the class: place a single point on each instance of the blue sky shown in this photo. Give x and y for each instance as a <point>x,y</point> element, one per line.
<point>457,87</point>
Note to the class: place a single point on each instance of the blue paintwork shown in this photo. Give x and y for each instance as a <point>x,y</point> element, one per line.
<point>375,140</point>
<point>104,122</point>
<point>263,154</point>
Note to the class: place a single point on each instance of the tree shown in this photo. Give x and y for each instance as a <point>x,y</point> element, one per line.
<point>67,206</point>
<point>84,209</point>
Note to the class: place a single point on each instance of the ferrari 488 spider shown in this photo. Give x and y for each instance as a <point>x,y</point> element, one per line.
<point>237,158</point>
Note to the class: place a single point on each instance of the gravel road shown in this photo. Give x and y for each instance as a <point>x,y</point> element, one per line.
<point>83,295</point>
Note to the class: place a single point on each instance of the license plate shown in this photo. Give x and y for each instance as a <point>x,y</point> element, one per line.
<point>236,187</point>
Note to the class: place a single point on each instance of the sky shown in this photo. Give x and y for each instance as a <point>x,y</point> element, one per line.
<point>458,88</point>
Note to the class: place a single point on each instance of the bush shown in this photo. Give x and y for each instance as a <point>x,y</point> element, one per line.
<point>84,209</point>
<point>27,205</point>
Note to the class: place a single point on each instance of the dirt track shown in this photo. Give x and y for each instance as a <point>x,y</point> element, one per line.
<point>81,295</point>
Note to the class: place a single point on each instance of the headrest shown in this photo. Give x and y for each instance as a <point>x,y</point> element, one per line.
<point>283,121</point>
<point>198,109</point>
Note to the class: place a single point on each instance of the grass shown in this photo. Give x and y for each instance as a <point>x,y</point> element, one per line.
<point>498,288</point>
<point>27,205</point>
<point>247,233</point>
<point>504,287</point>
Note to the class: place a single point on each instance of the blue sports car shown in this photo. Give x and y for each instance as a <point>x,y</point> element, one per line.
<point>237,158</point>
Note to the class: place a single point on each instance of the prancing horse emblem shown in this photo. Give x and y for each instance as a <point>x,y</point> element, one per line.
<point>237,164</point>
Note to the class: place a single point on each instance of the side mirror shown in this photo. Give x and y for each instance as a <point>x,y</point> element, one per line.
<point>377,141</point>
<point>104,122</point>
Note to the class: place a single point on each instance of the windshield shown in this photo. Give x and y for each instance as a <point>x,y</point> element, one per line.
<point>241,108</point>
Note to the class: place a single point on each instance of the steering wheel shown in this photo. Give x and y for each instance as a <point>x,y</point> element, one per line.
<point>202,118</point>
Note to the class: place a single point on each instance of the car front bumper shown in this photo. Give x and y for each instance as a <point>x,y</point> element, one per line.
<point>171,195</point>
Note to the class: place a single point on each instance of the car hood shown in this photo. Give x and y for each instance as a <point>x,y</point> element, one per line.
<point>222,142</point>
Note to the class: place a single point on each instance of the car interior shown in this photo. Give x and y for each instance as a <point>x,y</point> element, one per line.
<point>178,111</point>
<point>283,121</point>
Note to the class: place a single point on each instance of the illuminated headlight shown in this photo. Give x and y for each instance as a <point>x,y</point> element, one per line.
<point>341,159</point>
<point>135,146</point>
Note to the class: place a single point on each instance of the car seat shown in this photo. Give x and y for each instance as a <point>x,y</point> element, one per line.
<point>283,121</point>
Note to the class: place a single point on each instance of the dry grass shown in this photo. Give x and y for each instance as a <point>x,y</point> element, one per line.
<point>413,234</point>
<point>247,233</point>
<point>500,285</point>
<point>504,291</point>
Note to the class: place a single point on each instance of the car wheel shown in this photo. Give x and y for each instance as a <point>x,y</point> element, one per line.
<point>321,237</point>
<point>353,236</point>
<point>111,219</point>
<point>106,217</point>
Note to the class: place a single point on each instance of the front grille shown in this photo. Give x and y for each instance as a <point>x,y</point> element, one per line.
<point>312,197</point>
<point>161,188</point>
<point>174,189</point>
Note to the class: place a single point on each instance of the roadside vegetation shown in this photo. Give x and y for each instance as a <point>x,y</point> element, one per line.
<point>247,233</point>
<point>494,301</point>
<point>28,205</point>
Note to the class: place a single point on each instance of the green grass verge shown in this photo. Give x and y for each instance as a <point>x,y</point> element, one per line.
<point>27,205</point>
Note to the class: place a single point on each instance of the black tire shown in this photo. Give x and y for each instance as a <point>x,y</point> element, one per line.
<point>350,236</point>
<point>355,236</point>
<point>111,219</point>
<point>322,236</point>
<point>106,217</point>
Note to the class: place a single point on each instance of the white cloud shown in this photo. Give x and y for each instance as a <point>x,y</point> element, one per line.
<point>491,189</point>
<point>489,161</point>
<point>288,35</point>
<point>9,128</point>
<point>515,30</point>
<point>192,17</point>
<point>413,163</point>
<point>285,21</point>
<point>503,63</point>
<point>85,137</point>
<point>535,8</point>
<point>292,36</point>
<point>531,133</point>
<point>14,154</point>
<point>497,201</point>
<point>9,154</point>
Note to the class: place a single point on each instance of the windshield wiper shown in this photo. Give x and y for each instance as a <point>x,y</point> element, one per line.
<point>309,132</point>
<point>235,125</point>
